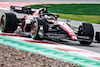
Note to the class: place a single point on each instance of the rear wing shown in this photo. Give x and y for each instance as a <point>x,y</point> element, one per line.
<point>23,9</point>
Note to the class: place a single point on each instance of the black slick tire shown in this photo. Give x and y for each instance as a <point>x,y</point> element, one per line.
<point>8,23</point>
<point>86,29</point>
<point>36,26</point>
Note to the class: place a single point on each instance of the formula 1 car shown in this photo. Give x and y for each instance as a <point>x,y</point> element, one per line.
<point>40,24</point>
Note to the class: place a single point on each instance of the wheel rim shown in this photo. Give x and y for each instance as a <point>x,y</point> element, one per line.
<point>80,32</point>
<point>34,30</point>
<point>3,22</point>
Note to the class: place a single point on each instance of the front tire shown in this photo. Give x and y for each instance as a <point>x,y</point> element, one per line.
<point>8,23</point>
<point>38,28</point>
<point>86,29</point>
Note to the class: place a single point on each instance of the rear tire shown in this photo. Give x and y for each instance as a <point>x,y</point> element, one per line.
<point>86,29</point>
<point>8,23</point>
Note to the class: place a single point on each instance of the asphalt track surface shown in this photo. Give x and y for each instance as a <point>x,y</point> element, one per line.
<point>93,47</point>
<point>54,1</point>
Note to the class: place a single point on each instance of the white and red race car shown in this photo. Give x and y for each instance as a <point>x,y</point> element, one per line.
<point>41,24</point>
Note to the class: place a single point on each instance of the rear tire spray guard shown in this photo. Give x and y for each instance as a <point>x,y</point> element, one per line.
<point>50,52</point>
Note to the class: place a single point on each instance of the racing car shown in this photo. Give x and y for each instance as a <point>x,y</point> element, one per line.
<point>40,24</point>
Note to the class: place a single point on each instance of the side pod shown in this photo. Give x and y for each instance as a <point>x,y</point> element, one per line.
<point>97,37</point>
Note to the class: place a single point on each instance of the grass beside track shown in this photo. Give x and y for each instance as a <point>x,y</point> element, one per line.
<point>87,18</point>
<point>80,12</point>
